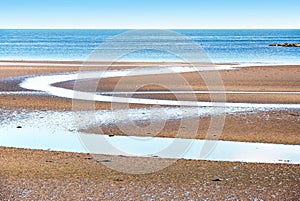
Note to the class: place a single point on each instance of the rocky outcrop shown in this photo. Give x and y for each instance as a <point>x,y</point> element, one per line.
<point>287,45</point>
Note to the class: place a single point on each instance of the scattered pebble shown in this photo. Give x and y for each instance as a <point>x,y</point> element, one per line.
<point>118,179</point>
<point>217,179</point>
<point>104,161</point>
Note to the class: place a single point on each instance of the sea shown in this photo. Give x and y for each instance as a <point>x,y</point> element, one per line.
<point>221,46</point>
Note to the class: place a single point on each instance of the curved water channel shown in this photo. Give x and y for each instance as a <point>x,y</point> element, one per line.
<point>57,130</point>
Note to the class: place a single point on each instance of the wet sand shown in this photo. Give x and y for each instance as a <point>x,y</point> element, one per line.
<point>25,173</point>
<point>274,126</point>
<point>281,127</point>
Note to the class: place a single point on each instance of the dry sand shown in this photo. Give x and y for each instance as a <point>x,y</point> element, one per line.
<point>45,175</point>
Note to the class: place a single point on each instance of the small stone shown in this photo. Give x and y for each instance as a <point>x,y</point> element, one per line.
<point>19,126</point>
<point>104,161</point>
<point>118,179</point>
<point>217,179</point>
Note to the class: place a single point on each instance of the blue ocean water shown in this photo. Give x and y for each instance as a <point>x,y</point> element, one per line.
<point>220,45</point>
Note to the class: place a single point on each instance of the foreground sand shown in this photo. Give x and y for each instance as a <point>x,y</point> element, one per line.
<point>25,174</point>
<point>44,175</point>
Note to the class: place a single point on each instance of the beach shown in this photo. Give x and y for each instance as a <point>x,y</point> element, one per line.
<point>65,175</point>
<point>26,173</point>
<point>251,126</point>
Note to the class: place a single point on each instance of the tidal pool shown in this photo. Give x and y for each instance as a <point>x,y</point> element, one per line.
<point>57,131</point>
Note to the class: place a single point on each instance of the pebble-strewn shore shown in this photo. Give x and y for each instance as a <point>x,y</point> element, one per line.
<point>44,175</point>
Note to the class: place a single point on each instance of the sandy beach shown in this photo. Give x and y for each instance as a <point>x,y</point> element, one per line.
<point>24,173</point>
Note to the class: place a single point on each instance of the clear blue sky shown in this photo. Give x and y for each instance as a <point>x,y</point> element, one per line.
<point>160,14</point>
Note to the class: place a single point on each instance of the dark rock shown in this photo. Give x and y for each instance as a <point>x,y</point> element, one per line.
<point>295,115</point>
<point>104,161</point>
<point>286,45</point>
<point>19,126</point>
<point>119,179</point>
<point>217,179</point>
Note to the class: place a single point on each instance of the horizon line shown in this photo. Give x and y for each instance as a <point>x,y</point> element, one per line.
<point>78,28</point>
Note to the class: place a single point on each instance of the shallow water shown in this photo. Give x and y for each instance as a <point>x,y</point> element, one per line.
<point>33,93</point>
<point>58,131</point>
<point>199,92</point>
